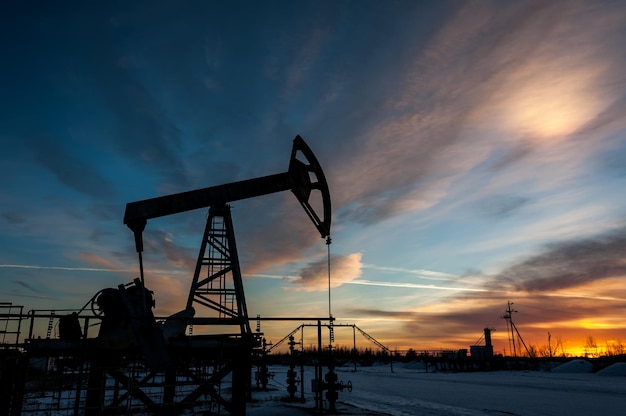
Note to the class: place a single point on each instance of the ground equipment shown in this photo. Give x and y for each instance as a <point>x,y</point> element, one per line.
<point>217,286</point>
<point>139,363</point>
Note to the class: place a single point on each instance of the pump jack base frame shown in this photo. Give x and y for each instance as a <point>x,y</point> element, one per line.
<point>110,381</point>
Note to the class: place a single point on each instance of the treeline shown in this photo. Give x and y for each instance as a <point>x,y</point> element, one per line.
<point>338,353</point>
<point>592,349</point>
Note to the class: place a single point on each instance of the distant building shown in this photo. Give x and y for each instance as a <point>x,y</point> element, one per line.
<point>483,352</point>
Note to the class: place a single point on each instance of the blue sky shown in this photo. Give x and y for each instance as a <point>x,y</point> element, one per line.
<point>475,153</point>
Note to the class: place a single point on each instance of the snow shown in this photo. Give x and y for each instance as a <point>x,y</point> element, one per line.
<point>574,366</point>
<point>615,370</point>
<point>570,389</point>
<point>409,390</point>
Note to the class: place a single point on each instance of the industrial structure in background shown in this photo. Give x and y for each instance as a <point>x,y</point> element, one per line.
<point>166,366</point>
<point>483,352</point>
<point>514,344</point>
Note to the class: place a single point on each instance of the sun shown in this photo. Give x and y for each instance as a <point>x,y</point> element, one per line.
<point>545,98</point>
<point>551,105</point>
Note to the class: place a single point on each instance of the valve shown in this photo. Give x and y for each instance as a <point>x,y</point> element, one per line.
<point>263,374</point>
<point>292,388</point>
<point>292,375</point>
<point>333,386</point>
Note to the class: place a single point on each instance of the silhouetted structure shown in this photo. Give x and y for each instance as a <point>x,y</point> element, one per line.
<point>483,352</point>
<point>138,363</point>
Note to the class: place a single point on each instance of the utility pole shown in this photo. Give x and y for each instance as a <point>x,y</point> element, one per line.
<point>513,330</point>
<point>509,326</point>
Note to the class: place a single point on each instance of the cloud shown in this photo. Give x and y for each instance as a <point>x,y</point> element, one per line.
<point>170,293</point>
<point>155,142</point>
<point>301,66</point>
<point>571,314</point>
<point>170,280</point>
<point>159,245</point>
<point>422,273</point>
<point>91,101</point>
<point>503,205</point>
<point>414,286</point>
<point>570,264</point>
<point>88,257</point>
<point>556,290</point>
<point>611,116</point>
<point>510,157</point>
<point>14,218</point>
<point>278,233</point>
<point>71,171</point>
<point>344,269</point>
<point>490,81</point>
<point>379,313</point>
<point>103,264</point>
<point>25,285</point>
<point>432,328</point>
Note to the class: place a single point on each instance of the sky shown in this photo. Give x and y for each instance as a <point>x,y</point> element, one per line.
<point>475,154</point>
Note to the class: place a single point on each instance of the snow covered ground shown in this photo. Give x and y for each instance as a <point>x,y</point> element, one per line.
<point>568,390</point>
<point>571,389</point>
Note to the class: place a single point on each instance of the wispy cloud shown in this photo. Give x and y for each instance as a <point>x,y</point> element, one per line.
<point>14,218</point>
<point>570,264</point>
<point>26,285</point>
<point>500,71</point>
<point>71,171</point>
<point>424,274</point>
<point>414,286</point>
<point>316,277</point>
<point>81,269</point>
<point>161,246</point>
<point>500,206</point>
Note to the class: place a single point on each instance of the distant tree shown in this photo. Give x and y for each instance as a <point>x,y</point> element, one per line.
<point>554,348</point>
<point>558,349</point>
<point>367,353</point>
<point>411,354</point>
<point>591,346</point>
<point>544,351</point>
<point>615,348</point>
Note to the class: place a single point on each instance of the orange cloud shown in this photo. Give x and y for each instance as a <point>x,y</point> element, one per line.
<point>170,294</point>
<point>344,269</point>
<point>96,260</point>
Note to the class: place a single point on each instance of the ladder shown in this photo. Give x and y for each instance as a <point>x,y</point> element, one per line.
<point>50,325</point>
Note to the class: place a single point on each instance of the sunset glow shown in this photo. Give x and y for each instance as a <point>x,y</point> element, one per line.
<point>548,104</point>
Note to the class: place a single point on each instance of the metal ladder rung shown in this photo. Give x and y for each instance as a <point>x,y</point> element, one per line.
<point>50,325</point>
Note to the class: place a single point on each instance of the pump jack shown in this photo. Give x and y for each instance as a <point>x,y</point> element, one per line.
<point>219,235</point>
<point>217,289</point>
